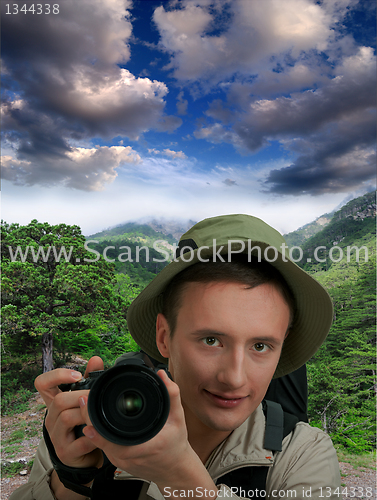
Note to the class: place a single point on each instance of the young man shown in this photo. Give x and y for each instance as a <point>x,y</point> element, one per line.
<point>229,314</point>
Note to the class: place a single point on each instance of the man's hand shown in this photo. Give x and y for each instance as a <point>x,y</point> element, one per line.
<point>156,458</point>
<point>64,414</point>
<point>167,459</point>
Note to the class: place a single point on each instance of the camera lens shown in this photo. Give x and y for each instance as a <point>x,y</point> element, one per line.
<point>130,403</point>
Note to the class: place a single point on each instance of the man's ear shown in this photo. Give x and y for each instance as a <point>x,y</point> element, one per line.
<point>162,335</point>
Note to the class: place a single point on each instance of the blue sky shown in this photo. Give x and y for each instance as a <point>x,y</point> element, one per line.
<point>117,110</point>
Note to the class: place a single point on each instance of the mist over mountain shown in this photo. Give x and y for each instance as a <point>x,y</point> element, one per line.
<point>171,230</point>
<point>356,209</point>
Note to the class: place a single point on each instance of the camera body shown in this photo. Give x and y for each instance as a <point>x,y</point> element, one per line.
<point>128,404</point>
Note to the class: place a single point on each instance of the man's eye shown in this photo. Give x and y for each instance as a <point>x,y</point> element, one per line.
<point>210,341</point>
<point>260,347</point>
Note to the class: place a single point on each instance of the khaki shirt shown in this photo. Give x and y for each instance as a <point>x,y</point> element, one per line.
<point>307,466</point>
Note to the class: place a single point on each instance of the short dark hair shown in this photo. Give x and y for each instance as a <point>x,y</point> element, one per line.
<point>251,273</point>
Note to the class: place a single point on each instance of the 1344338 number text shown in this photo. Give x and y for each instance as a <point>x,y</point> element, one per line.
<point>34,8</point>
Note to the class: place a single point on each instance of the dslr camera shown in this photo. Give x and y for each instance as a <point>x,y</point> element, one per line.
<point>128,404</point>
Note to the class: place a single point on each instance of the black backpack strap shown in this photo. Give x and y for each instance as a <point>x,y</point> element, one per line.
<point>273,435</point>
<point>279,424</point>
<point>291,391</point>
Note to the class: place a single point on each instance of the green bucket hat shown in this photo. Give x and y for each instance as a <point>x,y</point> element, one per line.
<point>221,236</point>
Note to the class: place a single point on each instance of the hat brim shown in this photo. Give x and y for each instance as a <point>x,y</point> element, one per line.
<point>313,318</point>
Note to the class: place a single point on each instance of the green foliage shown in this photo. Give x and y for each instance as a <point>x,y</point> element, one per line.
<point>133,232</point>
<point>10,469</point>
<point>96,341</point>
<point>17,381</point>
<point>138,260</point>
<point>54,288</point>
<point>363,460</point>
<point>84,304</point>
<point>139,251</point>
<point>16,437</point>
<point>342,374</point>
<point>15,401</point>
<point>106,340</point>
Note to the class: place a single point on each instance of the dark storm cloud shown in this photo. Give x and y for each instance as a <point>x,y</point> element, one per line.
<point>33,133</point>
<point>62,84</point>
<point>307,112</point>
<point>301,114</point>
<point>333,175</point>
<point>335,160</point>
<point>331,130</point>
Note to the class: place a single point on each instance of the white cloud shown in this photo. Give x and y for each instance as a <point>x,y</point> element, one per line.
<point>94,211</point>
<point>181,104</point>
<point>359,66</point>
<point>120,104</point>
<point>168,152</point>
<point>174,154</point>
<point>256,36</point>
<point>81,168</point>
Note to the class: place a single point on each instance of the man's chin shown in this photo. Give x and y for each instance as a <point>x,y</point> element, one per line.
<point>222,425</point>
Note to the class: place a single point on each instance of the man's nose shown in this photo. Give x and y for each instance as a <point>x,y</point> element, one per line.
<point>232,371</point>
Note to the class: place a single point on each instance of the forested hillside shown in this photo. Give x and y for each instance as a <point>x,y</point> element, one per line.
<point>133,232</point>
<point>342,375</point>
<point>137,250</point>
<point>298,237</point>
<point>80,300</point>
<point>341,229</point>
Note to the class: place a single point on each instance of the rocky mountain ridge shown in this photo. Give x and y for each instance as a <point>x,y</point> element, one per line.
<point>360,208</point>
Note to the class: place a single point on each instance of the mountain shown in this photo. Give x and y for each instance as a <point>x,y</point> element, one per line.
<point>150,242</point>
<point>298,237</point>
<point>170,227</point>
<point>358,208</point>
<point>132,231</point>
<point>354,223</point>
<point>341,375</point>
<point>139,249</point>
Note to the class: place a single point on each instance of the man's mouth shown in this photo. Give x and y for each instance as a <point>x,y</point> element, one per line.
<point>225,401</point>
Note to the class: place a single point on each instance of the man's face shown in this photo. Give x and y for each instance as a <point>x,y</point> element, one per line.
<point>224,351</point>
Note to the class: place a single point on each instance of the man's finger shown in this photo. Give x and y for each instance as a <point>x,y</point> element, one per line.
<point>176,410</point>
<point>89,431</point>
<point>171,386</point>
<point>62,402</point>
<point>47,383</point>
<point>94,364</point>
